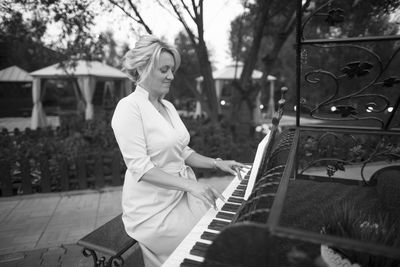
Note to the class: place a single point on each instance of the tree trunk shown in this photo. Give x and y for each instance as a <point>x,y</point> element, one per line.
<point>208,81</point>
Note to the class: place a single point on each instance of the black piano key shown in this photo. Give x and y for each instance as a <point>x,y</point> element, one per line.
<point>199,249</point>
<point>216,225</point>
<point>230,207</point>
<point>238,193</point>
<point>201,245</point>
<point>225,215</point>
<point>190,263</point>
<point>241,187</point>
<point>235,200</point>
<point>244,182</point>
<point>208,236</point>
<point>197,252</point>
<point>218,222</point>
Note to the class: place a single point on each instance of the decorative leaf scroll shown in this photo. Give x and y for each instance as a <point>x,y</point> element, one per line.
<point>349,150</point>
<point>334,167</point>
<point>357,68</point>
<point>345,111</point>
<point>389,82</point>
<point>335,16</point>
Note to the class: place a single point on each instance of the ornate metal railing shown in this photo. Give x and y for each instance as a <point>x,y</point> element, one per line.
<point>347,116</point>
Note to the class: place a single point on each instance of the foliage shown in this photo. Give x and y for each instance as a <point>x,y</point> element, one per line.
<point>187,13</point>
<point>77,137</point>
<point>184,81</point>
<point>25,23</point>
<point>219,141</point>
<point>346,220</point>
<point>22,41</point>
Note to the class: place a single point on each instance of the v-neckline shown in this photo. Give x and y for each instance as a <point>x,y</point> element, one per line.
<point>170,123</point>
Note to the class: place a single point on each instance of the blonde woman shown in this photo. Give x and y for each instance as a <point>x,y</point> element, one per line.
<point>161,197</point>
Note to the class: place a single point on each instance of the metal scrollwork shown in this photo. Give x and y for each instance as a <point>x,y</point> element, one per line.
<point>335,152</point>
<point>348,104</point>
<point>115,261</point>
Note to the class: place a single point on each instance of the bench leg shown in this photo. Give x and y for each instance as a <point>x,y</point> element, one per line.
<point>96,261</point>
<point>113,261</point>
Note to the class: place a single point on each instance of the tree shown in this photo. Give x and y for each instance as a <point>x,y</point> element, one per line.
<point>265,24</point>
<point>273,23</point>
<point>184,82</point>
<point>186,13</point>
<point>21,41</point>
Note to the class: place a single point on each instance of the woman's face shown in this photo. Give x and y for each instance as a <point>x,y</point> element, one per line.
<point>160,78</point>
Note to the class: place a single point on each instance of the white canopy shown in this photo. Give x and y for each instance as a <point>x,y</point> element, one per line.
<point>14,74</point>
<point>82,68</point>
<point>86,73</point>
<point>227,73</point>
<point>231,72</point>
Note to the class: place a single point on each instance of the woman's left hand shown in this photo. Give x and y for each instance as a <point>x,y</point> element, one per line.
<point>230,166</point>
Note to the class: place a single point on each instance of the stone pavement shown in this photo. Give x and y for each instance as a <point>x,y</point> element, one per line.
<point>42,229</point>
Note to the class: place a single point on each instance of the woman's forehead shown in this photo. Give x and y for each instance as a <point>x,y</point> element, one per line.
<point>166,59</point>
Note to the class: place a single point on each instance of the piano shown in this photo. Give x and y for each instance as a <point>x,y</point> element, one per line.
<point>249,198</point>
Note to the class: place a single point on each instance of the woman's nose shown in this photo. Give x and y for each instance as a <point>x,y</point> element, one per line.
<point>170,75</point>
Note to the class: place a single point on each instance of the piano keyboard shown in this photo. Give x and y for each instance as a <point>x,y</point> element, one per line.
<point>192,249</point>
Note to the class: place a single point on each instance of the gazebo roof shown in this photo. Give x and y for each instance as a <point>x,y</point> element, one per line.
<point>14,74</point>
<point>83,68</point>
<point>228,73</point>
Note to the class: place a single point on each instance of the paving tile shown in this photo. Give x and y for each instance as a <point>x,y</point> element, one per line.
<point>6,207</point>
<point>34,255</point>
<point>32,208</point>
<point>16,247</point>
<point>12,257</point>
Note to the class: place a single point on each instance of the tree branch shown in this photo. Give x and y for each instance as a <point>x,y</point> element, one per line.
<point>182,20</point>
<point>141,21</point>
<point>169,11</point>
<point>188,11</point>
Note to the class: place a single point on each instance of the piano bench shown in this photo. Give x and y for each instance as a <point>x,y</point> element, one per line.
<point>111,241</point>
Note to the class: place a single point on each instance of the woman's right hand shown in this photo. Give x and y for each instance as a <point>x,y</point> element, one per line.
<point>205,193</point>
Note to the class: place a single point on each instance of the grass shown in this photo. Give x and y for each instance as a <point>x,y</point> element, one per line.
<point>306,203</point>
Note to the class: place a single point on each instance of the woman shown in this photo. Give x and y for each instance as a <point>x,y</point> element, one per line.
<point>161,197</point>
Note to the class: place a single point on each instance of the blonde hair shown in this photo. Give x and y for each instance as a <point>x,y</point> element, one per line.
<point>145,56</point>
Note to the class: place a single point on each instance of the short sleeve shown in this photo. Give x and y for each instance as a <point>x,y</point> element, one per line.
<point>186,152</point>
<point>128,130</point>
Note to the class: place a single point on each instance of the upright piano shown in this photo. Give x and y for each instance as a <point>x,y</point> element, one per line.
<point>248,201</point>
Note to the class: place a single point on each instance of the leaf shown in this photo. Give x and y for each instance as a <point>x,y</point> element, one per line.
<point>335,16</point>
<point>356,68</point>
<point>389,82</point>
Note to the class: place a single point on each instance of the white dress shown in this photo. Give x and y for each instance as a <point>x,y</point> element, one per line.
<point>156,217</point>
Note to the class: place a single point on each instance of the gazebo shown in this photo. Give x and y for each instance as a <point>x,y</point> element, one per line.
<point>228,74</point>
<point>15,74</point>
<point>87,74</point>
<point>15,87</point>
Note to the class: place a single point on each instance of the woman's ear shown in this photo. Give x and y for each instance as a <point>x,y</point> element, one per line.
<point>140,71</point>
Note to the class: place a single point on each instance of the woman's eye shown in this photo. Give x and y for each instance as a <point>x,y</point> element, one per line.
<point>164,70</point>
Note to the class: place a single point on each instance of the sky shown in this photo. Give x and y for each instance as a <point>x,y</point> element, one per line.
<point>218,15</point>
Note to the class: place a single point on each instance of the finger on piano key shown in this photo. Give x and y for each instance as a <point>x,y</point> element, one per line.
<point>239,175</point>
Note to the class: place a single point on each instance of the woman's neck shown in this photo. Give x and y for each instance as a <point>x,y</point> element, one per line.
<point>154,98</point>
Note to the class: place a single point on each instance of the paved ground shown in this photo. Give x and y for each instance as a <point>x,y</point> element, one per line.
<point>42,229</point>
